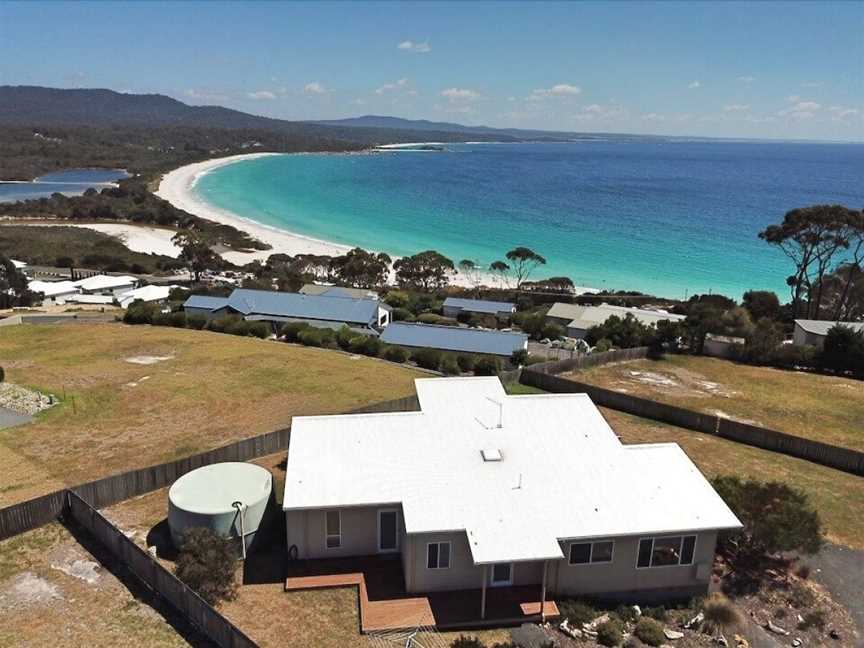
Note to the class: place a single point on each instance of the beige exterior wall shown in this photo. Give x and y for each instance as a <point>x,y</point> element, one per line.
<point>306,530</point>
<point>622,575</point>
<point>800,337</point>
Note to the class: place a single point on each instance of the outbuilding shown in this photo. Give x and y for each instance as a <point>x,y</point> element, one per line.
<point>813,332</point>
<point>457,339</point>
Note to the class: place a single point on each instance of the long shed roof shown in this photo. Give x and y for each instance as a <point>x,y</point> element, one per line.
<point>454,338</point>
<point>584,317</point>
<point>563,473</point>
<point>821,327</point>
<point>479,305</point>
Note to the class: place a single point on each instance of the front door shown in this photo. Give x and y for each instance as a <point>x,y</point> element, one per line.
<point>502,574</point>
<point>388,531</point>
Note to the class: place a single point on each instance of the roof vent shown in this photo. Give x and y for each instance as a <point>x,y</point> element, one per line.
<point>491,454</point>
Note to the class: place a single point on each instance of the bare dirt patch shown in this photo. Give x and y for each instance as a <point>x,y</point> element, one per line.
<point>148,359</point>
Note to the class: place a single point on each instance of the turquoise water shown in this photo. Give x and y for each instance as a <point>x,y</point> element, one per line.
<point>666,217</point>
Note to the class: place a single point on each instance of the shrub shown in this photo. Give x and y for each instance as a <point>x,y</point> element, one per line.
<point>465,362</point>
<point>291,331</point>
<point>803,571</point>
<point>237,327</point>
<point>402,315</point>
<point>310,336</point>
<point>259,330</point>
<point>610,633</point>
<point>397,299</point>
<point>177,319</point>
<point>449,366</point>
<point>433,318</point>
<point>467,642</point>
<point>343,338</point>
<point>720,614</point>
<point>602,346</point>
<point>221,324</point>
<point>196,321</point>
<point>650,631</point>
<point>800,596</point>
<point>2,374</point>
<point>366,345</point>
<point>658,613</point>
<point>814,619</point>
<point>487,366</point>
<point>206,564</point>
<point>577,612</point>
<point>626,613</point>
<point>427,358</point>
<point>395,354</point>
<point>519,357</point>
<point>139,313</point>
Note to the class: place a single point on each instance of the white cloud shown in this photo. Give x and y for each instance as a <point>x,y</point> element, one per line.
<point>401,83</point>
<point>314,88</point>
<point>653,117</point>
<point>600,112</point>
<point>840,113</point>
<point>455,95</point>
<point>261,94</point>
<point>694,84</point>
<point>205,95</point>
<point>800,110</point>
<point>557,90</point>
<point>747,79</point>
<point>793,98</point>
<point>736,107</point>
<point>411,46</point>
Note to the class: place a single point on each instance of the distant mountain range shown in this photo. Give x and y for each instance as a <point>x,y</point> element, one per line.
<point>37,106</point>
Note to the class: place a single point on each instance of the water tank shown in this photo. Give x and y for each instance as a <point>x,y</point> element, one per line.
<point>206,497</point>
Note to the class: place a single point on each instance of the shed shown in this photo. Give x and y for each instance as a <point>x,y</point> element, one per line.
<point>454,338</point>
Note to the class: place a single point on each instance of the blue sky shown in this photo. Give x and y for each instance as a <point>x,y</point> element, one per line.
<point>763,69</point>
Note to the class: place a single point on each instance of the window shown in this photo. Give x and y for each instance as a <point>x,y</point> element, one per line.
<point>333,530</point>
<point>438,555</point>
<point>502,574</point>
<point>583,553</point>
<point>667,551</point>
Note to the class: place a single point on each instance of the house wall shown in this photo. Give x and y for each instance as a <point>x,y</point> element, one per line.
<point>383,317</point>
<point>577,333</point>
<point>622,579</point>
<point>717,348</point>
<point>306,530</point>
<point>800,337</point>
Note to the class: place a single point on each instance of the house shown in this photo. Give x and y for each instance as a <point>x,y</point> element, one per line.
<point>482,490</point>
<point>813,332</point>
<point>106,284</point>
<point>329,290</point>
<point>21,266</point>
<point>578,319</point>
<point>454,338</point>
<point>453,306</point>
<point>54,292</point>
<point>150,294</point>
<point>721,346</point>
<point>279,307</point>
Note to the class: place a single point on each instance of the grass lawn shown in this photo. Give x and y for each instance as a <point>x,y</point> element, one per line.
<point>208,389</point>
<point>838,496</point>
<point>823,408</point>
<point>42,604</point>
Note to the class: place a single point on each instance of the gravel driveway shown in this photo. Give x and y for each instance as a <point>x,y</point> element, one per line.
<point>8,418</point>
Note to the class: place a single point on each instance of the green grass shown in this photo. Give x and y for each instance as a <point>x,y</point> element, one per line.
<point>515,389</point>
<point>836,495</point>
<point>116,415</point>
<point>823,408</point>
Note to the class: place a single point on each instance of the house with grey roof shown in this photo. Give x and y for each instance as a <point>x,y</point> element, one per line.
<point>278,308</point>
<point>577,319</point>
<point>813,332</point>
<point>454,338</point>
<point>329,290</point>
<point>454,306</point>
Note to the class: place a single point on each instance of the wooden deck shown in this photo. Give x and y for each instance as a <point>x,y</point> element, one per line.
<point>384,604</point>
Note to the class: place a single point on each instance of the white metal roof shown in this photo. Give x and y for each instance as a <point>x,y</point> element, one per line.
<point>584,317</point>
<point>53,288</point>
<point>148,293</point>
<point>821,327</point>
<point>105,282</point>
<point>563,473</point>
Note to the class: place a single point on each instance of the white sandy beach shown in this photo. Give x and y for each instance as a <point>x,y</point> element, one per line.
<point>138,238</point>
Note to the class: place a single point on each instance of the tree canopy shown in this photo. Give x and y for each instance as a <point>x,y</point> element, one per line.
<point>195,251</point>
<point>361,269</point>
<point>429,270</point>
<point>13,286</point>
<point>523,261</point>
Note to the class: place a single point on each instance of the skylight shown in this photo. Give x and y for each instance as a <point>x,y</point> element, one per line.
<point>491,454</point>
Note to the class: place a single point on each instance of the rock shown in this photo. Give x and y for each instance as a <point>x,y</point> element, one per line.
<point>695,621</point>
<point>796,642</point>
<point>637,610</point>
<point>569,630</point>
<point>720,639</point>
<point>152,550</point>
<point>776,629</point>
<point>834,634</point>
<point>672,635</point>
<point>596,623</point>
<point>741,642</point>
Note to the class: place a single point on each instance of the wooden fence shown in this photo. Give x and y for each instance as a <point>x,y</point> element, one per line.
<point>150,572</point>
<point>593,360</point>
<point>845,459</point>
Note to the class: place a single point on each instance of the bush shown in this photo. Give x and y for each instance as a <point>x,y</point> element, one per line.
<point>626,613</point>
<point>467,642</point>
<point>650,631</point>
<point>196,321</point>
<point>610,633</point>
<point>402,315</point>
<point>397,299</point>
<point>343,338</point>
<point>602,346</point>
<point>139,313</point>
<point>221,324</point>
<point>658,613</point>
<point>366,345</point>
<point>2,374</point>
<point>433,318</point>
<point>311,336</point>
<point>465,362</point>
<point>450,366</point>
<point>206,564</point>
<point>291,331</point>
<point>487,366</point>
<point>720,614</point>
<point>237,327</point>
<point>577,612</point>
<point>259,330</point>
<point>519,357</point>
<point>427,358</point>
<point>800,596</point>
<point>814,619</point>
<point>396,354</point>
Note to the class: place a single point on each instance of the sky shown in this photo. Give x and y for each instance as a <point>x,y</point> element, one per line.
<point>728,69</point>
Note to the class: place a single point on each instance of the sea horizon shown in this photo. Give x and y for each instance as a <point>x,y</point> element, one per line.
<point>609,214</point>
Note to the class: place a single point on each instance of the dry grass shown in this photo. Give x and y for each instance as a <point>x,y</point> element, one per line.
<point>817,407</point>
<point>116,415</point>
<point>838,496</point>
<point>40,605</point>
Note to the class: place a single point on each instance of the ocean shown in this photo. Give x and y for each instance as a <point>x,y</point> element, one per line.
<point>668,217</point>
<point>71,182</point>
